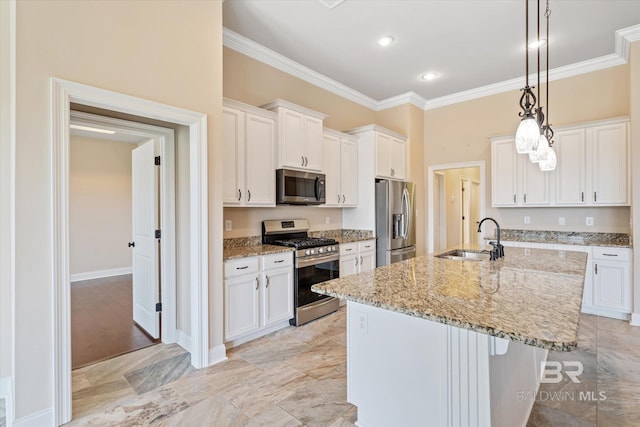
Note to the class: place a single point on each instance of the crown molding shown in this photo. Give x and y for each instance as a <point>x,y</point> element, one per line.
<point>241,44</point>
<point>623,38</point>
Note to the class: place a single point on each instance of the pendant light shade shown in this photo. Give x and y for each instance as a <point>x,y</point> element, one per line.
<point>549,164</point>
<point>527,135</point>
<point>541,152</point>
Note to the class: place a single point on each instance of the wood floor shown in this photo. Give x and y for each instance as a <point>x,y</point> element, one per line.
<point>102,321</point>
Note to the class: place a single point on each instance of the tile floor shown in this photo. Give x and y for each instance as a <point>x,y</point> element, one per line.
<point>297,376</point>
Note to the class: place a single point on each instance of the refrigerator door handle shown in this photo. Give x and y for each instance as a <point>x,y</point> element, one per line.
<point>407,212</point>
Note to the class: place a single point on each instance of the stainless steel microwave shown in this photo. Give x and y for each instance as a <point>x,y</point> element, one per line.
<point>299,188</point>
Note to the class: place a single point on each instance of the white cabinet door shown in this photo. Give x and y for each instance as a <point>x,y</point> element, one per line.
<point>332,170</point>
<point>348,265</point>
<point>313,142</point>
<point>504,173</point>
<point>398,161</point>
<point>233,156</point>
<point>609,157</point>
<point>278,296</point>
<point>535,188</point>
<point>242,295</point>
<point>367,261</point>
<point>571,173</point>
<point>610,285</point>
<point>292,138</point>
<point>383,159</point>
<point>348,172</point>
<point>259,171</point>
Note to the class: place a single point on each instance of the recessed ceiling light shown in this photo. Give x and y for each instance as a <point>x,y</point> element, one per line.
<point>386,41</point>
<point>90,129</point>
<point>537,44</point>
<point>429,76</point>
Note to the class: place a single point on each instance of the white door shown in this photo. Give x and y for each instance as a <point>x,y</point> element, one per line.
<point>503,173</point>
<point>259,171</point>
<point>233,156</point>
<point>348,265</point>
<point>332,170</point>
<point>313,136</point>
<point>367,261</point>
<point>278,296</point>
<point>474,213</point>
<point>348,172</point>
<point>571,169</point>
<point>610,155</point>
<point>465,191</point>
<point>146,280</point>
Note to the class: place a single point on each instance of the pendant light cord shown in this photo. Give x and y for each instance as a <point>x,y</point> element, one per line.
<point>538,23</point>
<point>526,42</point>
<point>548,132</point>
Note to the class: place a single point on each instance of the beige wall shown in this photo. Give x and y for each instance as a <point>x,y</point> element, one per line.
<point>461,132</point>
<point>634,101</point>
<point>169,52</point>
<point>99,204</point>
<point>248,221</point>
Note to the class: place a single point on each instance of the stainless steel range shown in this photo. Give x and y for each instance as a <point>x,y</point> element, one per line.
<point>316,260</point>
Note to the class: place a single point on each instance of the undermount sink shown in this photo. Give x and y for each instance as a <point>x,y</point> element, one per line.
<point>465,255</point>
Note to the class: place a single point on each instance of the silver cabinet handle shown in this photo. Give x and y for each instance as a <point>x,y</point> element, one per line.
<point>306,161</point>
<point>278,261</point>
<point>257,283</point>
<point>360,260</point>
<point>515,198</point>
<point>343,198</point>
<point>582,196</point>
<point>348,250</point>
<point>596,268</point>
<point>338,198</point>
<point>393,172</point>
<point>249,195</point>
<point>239,194</point>
<point>525,198</point>
<point>595,196</point>
<point>302,157</point>
<point>610,254</point>
<point>242,268</point>
<point>356,260</point>
<point>267,285</point>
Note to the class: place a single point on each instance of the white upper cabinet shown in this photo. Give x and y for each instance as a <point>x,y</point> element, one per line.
<point>341,168</point>
<point>515,180</point>
<point>592,169</point>
<point>300,136</point>
<point>390,156</point>
<point>609,161</point>
<point>593,165</point>
<point>249,137</point>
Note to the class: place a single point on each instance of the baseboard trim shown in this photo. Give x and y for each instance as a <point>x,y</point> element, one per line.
<point>607,313</point>
<point>183,340</point>
<point>217,354</point>
<point>99,274</point>
<point>257,334</point>
<point>6,393</point>
<point>635,319</point>
<point>37,419</point>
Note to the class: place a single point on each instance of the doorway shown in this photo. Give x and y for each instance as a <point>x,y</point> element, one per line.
<point>455,205</point>
<point>194,172</point>
<point>115,290</point>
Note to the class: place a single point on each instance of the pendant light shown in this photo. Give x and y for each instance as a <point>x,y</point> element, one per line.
<point>548,159</point>
<point>528,133</point>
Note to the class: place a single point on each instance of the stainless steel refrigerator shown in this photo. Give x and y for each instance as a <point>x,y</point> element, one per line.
<point>395,221</point>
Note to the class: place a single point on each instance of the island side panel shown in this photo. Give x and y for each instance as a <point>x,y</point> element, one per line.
<point>403,370</point>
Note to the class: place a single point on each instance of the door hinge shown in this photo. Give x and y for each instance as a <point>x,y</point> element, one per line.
<point>157,161</point>
<point>158,234</point>
<point>158,307</point>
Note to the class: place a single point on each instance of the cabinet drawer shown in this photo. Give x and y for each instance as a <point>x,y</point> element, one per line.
<point>369,245</point>
<point>240,266</point>
<point>612,254</point>
<point>278,260</point>
<point>348,248</point>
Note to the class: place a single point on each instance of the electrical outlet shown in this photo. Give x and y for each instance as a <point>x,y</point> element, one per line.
<point>327,220</point>
<point>527,219</point>
<point>562,220</point>
<point>364,322</point>
<point>228,226</point>
<point>589,221</point>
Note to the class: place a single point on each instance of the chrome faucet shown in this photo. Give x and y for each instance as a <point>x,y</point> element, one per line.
<point>498,249</point>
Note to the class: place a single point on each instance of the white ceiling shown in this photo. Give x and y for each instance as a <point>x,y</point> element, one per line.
<point>470,43</point>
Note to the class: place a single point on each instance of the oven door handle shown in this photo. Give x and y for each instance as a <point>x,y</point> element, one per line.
<point>301,263</point>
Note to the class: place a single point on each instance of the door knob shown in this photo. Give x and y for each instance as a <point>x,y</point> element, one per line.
<point>132,244</point>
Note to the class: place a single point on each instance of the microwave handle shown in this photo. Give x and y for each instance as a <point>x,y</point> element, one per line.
<point>317,188</point>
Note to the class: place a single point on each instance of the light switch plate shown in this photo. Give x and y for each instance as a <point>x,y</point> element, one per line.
<point>589,221</point>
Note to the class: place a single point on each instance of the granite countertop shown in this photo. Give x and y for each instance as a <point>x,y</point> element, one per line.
<point>252,250</point>
<point>531,296</point>
<point>619,240</point>
<point>345,236</point>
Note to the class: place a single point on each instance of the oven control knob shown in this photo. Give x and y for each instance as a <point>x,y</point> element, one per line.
<point>313,251</point>
<point>307,252</point>
<point>321,250</point>
<point>333,248</point>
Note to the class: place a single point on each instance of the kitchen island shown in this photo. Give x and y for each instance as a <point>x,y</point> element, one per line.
<point>442,342</point>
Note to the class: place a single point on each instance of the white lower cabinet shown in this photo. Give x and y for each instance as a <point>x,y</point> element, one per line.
<point>607,281</point>
<point>258,296</point>
<point>357,257</point>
